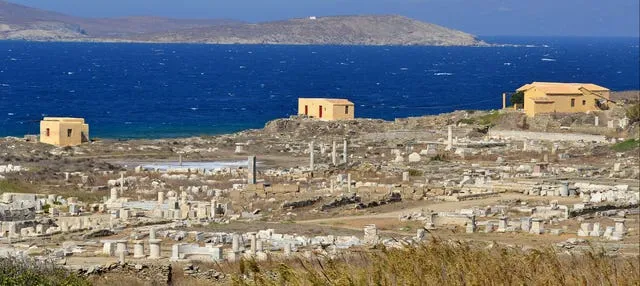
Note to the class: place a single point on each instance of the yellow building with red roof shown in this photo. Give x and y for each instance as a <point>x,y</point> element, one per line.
<point>552,97</point>
<point>326,108</point>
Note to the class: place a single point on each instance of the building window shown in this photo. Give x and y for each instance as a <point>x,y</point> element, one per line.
<point>48,132</point>
<point>69,131</point>
<point>573,102</point>
<point>584,102</point>
<point>346,109</point>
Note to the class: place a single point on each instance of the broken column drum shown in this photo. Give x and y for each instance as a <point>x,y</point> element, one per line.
<point>154,248</point>
<point>536,226</point>
<point>121,246</point>
<point>138,249</point>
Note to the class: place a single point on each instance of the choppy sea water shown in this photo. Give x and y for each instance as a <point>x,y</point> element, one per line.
<point>175,90</point>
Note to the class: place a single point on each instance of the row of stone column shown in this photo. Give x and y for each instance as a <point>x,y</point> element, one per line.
<point>334,154</point>
<point>120,248</point>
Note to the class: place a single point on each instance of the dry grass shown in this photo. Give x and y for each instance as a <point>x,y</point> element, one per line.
<point>440,263</point>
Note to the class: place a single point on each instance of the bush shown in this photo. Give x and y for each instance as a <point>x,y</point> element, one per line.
<point>633,113</point>
<point>626,145</point>
<point>517,98</point>
<point>28,271</point>
<point>415,173</point>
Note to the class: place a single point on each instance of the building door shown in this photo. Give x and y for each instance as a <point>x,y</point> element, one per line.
<point>320,112</point>
<point>306,110</point>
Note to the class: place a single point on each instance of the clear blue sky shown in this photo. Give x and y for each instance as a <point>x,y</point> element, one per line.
<point>480,17</point>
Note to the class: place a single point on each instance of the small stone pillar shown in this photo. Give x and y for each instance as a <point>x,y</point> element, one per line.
<point>349,183</point>
<point>121,246</point>
<point>503,224</point>
<point>252,238</point>
<point>524,146</point>
<point>504,100</point>
<point>430,222</point>
<point>160,198</point>
<point>596,121</point>
<point>235,243</point>
<point>334,154</point>
<point>66,176</point>
<point>564,189</point>
<point>138,249</point>
<point>259,246</point>
<point>152,233</point>
<point>108,248</point>
<point>180,160</point>
<point>251,176</point>
<point>371,234</point>
<point>536,226</point>
<point>154,248</point>
<point>471,224</point>
<point>114,195</point>
<point>596,232</point>
<point>175,251</point>
<point>311,154</point>
<point>214,208</point>
<point>121,257</point>
<point>449,138</point>
<point>344,151</point>
<point>121,183</point>
<point>405,176</point>
<point>620,228</point>
<point>287,249</point>
<point>183,198</point>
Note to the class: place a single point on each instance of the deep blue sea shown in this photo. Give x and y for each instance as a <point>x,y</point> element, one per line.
<point>175,90</point>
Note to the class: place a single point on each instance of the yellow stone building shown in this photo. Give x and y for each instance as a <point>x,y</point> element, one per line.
<point>550,97</point>
<point>63,131</point>
<point>326,108</point>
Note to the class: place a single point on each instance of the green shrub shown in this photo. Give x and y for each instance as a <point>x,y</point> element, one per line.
<point>28,271</point>
<point>633,113</point>
<point>626,145</point>
<point>517,98</point>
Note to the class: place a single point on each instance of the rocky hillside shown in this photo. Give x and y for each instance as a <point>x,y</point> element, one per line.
<point>19,22</point>
<point>342,30</point>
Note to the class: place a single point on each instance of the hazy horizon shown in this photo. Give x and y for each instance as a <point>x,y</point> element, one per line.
<point>591,18</point>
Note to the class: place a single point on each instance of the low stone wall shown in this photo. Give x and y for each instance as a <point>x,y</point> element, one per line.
<point>151,272</point>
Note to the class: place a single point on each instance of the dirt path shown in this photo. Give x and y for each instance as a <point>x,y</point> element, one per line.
<point>436,207</point>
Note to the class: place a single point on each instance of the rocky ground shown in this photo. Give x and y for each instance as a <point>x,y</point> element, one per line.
<point>396,174</point>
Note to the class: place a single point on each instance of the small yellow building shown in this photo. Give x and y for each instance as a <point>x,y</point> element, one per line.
<point>550,97</point>
<point>326,108</point>
<point>63,131</point>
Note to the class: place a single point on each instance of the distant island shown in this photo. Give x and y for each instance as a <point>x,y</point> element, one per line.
<point>18,22</point>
